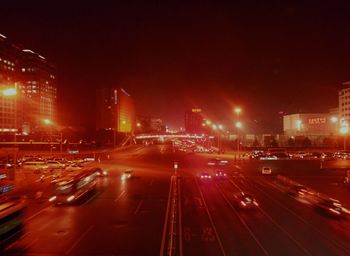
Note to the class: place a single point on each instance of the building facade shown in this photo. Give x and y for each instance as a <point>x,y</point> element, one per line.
<point>194,121</point>
<point>34,89</point>
<point>311,124</point>
<point>344,104</point>
<point>115,110</point>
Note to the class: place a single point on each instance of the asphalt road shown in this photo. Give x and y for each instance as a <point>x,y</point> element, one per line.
<point>128,217</point>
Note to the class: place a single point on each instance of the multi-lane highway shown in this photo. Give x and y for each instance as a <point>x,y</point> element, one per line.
<point>146,214</point>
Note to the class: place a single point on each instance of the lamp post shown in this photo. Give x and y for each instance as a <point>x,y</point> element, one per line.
<point>49,123</point>
<point>344,130</point>
<point>238,111</point>
<point>12,92</point>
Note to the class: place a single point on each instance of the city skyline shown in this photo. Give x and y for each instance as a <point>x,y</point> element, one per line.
<point>201,59</point>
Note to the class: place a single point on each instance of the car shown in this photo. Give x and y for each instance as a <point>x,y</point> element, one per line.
<point>331,207</point>
<point>73,167</point>
<point>205,176</point>
<point>298,191</point>
<point>217,161</point>
<point>55,164</point>
<point>245,201</point>
<point>99,171</point>
<point>266,171</point>
<point>127,174</point>
<point>35,165</point>
<point>220,174</point>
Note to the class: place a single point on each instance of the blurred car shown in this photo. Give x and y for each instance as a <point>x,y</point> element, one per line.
<point>127,174</point>
<point>298,191</point>
<point>331,207</point>
<point>245,201</point>
<point>217,161</point>
<point>73,167</point>
<point>205,176</point>
<point>220,174</point>
<point>99,171</point>
<point>266,171</point>
<point>55,164</point>
<point>37,166</point>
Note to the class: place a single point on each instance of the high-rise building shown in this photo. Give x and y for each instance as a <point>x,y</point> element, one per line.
<point>34,91</point>
<point>115,110</point>
<point>39,88</point>
<point>194,121</point>
<point>344,104</point>
<point>9,80</point>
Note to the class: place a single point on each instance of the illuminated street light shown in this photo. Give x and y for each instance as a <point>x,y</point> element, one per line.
<point>208,122</point>
<point>10,92</point>
<point>47,121</point>
<point>214,126</point>
<point>298,124</point>
<point>334,119</point>
<point>237,110</point>
<point>221,127</point>
<point>138,125</point>
<point>239,124</point>
<point>344,130</point>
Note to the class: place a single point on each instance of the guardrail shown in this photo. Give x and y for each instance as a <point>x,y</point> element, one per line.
<point>172,237</point>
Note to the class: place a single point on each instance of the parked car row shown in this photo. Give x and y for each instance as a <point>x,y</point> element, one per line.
<point>301,155</point>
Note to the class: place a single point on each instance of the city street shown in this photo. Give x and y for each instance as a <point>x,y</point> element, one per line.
<point>127,217</point>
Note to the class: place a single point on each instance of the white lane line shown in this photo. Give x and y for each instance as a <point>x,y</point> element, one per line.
<point>162,245</point>
<point>250,231</point>
<point>180,217</point>
<point>138,207</point>
<point>36,214</point>
<point>211,219</point>
<point>78,241</point>
<point>238,167</point>
<point>120,196</point>
<point>289,235</point>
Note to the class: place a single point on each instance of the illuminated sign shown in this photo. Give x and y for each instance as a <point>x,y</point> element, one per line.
<point>318,120</point>
<point>115,97</point>
<point>196,110</point>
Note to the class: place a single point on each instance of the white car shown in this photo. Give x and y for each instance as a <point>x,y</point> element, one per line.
<point>127,174</point>
<point>55,164</point>
<point>266,170</point>
<point>35,165</point>
<point>73,167</point>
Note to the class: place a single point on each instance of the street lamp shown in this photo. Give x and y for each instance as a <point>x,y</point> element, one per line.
<point>48,122</point>
<point>12,92</point>
<point>344,130</point>
<point>239,125</point>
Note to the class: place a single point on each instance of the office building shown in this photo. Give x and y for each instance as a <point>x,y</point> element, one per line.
<point>311,124</point>
<point>344,104</point>
<point>115,110</point>
<point>34,90</point>
<point>194,121</point>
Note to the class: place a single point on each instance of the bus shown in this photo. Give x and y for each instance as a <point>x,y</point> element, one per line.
<point>11,214</point>
<point>73,186</point>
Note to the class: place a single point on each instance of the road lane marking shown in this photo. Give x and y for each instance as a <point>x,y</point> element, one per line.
<point>243,222</point>
<point>306,251</point>
<point>326,237</point>
<point>36,214</point>
<point>120,196</point>
<point>138,207</point>
<point>161,253</point>
<point>180,217</point>
<point>78,240</point>
<point>210,219</point>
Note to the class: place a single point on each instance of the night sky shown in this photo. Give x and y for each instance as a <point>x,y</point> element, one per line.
<point>265,57</point>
